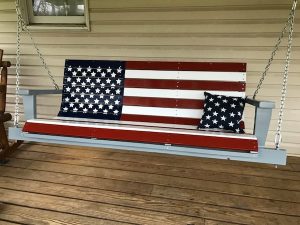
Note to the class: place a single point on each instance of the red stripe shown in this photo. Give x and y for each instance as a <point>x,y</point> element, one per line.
<point>163,102</point>
<point>160,119</point>
<point>185,84</point>
<point>213,142</point>
<point>190,66</point>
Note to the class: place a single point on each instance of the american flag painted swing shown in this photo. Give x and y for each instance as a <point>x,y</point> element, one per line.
<point>155,107</point>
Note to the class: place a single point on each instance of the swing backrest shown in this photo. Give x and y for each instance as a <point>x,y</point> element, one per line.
<point>3,82</point>
<point>152,92</point>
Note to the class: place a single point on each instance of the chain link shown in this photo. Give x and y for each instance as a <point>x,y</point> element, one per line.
<point>278,138</point>
<point>288,23</point>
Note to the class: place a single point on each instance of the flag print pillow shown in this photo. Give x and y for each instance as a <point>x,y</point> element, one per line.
<point>222,112</point>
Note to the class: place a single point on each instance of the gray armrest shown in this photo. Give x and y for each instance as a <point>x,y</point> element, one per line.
<point>263,114</point>
<point>260,104</point>
<point>39,92</point>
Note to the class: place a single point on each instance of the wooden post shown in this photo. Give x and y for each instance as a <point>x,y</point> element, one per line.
<point>5,148</point>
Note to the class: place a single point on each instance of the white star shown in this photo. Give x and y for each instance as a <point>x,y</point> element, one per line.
<point>118,81</point>
<point>98,80</point>
<point>113,74</point>
<point>83,84</point>
<point>82,94</point>
<point>119,70</point>
<point>103,74</point>
<point>221,126</point>
<point>68,89</point>
<point>116,111</point>
<point>215,121</point>
<point>110,106</point>
<point>215,113</point>
<point>89,69</point>
<point>93,74</point>
<point>81,105</point>
<point>74,73</point>
<point>75,109</point>
<point>90,106</point>
<point>77,89</point>
<point>107,91</point>
<point>95,110</point>
<point>73,84</point>
<point>241,104</point>
<point>101,95</point>
<point>92,95</point>
<point>232,114</point>
<point>108,81</point>
<point>225,101</point>
<point>93,85</point>
<point>231,124</point>
<point>207,125</point>
<point>117,102</point>
<point>88,80</point>
<point>84,73</point>
<point>79,68</point>
<point>102,85</point>
<point>111,96</point>
<point>118,91</point>
<point>237,130</point>
<point>105,111</point>
<point>223,118</point>
<point>86,100</point>
<point>99,69</point>
<point>67,99</point>
<point>76,99</point>
<point>239,113</point>
<point>217,104</point>
<point>100,106</point>
<point>109,70</point>
<point>70,68</point>
<point>65,109</point>
<point>211,99</point>
<point>106,101</point>
<point>233,105</point>
<point>209,109</point>
<point>223,110</point>
<point>234,99</point>
<point>113,86</point>
<point>87,90</point>
<point>219,96</point>
<point>97,90</point>
<point>78,79</point>
<point>68,79</point>
<point>71,105</point>
<point>85,110</point>
<point>208,117</point>
<point>73,94</point>
<point>96,101</point>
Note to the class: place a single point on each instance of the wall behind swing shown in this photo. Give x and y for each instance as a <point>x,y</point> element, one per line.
<point>184,30</point>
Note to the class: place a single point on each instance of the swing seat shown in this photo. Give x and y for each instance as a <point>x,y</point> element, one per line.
<point>161,107</point>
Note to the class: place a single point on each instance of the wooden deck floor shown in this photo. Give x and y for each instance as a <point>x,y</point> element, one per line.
<point>45,184</point>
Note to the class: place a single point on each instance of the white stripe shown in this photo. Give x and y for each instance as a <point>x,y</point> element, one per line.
<point>140,128</point>
<point>157,111</point>
<point>172,93</point>
<point>186,75</point>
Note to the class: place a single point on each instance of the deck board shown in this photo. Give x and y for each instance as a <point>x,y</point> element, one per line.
<point>73,185</point>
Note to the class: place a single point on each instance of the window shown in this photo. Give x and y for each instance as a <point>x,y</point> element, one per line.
<point>64,13</point>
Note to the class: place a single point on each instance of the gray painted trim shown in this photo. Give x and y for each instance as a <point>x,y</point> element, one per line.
<point>264,155</point>
<point>39,92</point>
<point>260,104</point>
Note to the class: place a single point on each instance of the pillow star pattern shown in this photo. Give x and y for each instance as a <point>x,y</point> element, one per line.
<point>222,112</point>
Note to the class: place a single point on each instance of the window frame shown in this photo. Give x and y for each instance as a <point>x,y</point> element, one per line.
<point>54,22</point>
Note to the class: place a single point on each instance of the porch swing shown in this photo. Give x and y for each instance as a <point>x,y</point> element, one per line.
<point>123,105</point>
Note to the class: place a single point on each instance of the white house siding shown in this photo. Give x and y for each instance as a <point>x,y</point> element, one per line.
<point>181,30</point>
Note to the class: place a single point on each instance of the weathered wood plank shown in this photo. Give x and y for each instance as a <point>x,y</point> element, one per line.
<point>34,216</point>
<point>152,168</point>
<point>94,210</point>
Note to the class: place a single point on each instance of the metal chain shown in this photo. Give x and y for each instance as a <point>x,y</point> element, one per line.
<point>278,138</point>
<point>18,52</point>
<point>24,27</point>
<point>289,22</point>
